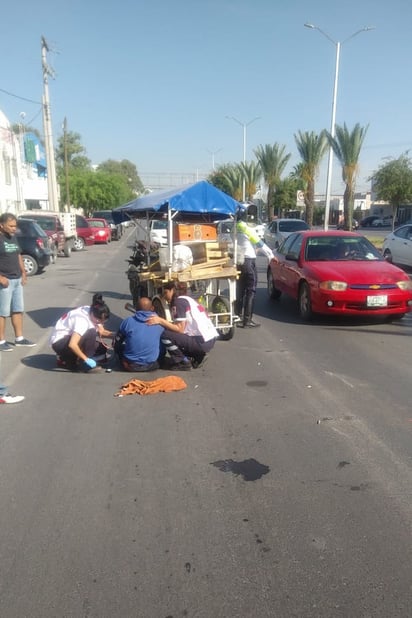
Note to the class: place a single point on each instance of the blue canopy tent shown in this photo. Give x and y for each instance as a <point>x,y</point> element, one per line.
<point>200,200</point>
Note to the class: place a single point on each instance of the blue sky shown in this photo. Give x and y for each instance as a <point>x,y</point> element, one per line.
<point>153,81</point>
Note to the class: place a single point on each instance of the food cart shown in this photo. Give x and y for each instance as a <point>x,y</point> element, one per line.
<point>194,257</point>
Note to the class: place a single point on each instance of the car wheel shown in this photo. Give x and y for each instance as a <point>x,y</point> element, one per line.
<point>30,265</point>
<point>159,307</point>
<point>221,305</point>
<point>304,302</point>
<point>273,292</point>
<point>67,248</point>
<point>388,255</point>
<point>78,244</point>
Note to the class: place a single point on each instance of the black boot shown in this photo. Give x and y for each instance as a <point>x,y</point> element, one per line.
<point>247,316</point>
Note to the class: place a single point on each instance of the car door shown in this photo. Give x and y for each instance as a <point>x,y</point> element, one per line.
<point>281,268</point>
<point>402,246</point>
<point>270,234</point>
<point>291,272</point>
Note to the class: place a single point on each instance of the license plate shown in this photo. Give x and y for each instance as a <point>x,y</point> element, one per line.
<point>377,301</point>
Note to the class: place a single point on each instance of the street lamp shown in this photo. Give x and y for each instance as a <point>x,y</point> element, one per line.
<point>244,125</point>
<point>338,45</point>
<point>213,153</point>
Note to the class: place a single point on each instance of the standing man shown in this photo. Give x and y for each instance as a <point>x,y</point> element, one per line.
<point>12,278</point>
<point>137,343</point>
<point>248,242</point>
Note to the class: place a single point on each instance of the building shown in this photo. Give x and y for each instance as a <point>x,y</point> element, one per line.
<point>23,172</point>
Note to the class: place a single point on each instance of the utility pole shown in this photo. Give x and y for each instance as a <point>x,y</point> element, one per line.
<point>47,128</point>
<point>66,165</point>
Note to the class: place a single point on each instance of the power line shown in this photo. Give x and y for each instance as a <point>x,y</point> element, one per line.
<point>21,98</point>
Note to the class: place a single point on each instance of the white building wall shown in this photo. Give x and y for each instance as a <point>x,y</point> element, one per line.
<point>19,181</point>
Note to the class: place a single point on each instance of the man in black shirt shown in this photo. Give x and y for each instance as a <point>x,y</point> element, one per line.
<point>12,278</point>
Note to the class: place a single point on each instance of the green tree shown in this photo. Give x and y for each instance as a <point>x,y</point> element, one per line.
<point>69,145</point>
<point>272,160</point>
<point>124,168</point>
<point>92,190</point>
<point>392,182</point>
<point>311,148</point>
<point>218,178</point>
<point>251,173</point>
<point>229,178</point>
<point>284,198</point>
<point>347,146</point>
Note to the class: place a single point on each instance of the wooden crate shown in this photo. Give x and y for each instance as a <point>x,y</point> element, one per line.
<point>199,231</point>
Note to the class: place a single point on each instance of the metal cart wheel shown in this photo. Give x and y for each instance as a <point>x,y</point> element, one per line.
<point>222,305</point>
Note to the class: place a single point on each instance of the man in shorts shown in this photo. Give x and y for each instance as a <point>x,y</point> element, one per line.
<point>12,278</point>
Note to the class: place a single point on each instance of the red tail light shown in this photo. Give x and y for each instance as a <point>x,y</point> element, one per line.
<point>40,243</point>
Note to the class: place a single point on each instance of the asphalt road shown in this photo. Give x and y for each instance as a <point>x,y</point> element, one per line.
<point>277,484</point>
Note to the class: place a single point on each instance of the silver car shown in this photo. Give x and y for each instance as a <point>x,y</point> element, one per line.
<point>279,229</point>
<point>397,246</point>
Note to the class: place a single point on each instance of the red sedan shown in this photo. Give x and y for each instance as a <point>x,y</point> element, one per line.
<point>338,273</point>
<point>101,230</point>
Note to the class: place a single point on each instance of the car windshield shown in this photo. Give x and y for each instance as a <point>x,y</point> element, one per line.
<point>292,226</point>
<point>46,223</point>
<point>97,223</point>
<point>159,225</point>
<point>337,248</point>
<point>30,228</point>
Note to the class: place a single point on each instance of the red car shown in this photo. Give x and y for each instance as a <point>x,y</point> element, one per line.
<point>101,230</point>
<point>338,273</point>
<point>85,235</point>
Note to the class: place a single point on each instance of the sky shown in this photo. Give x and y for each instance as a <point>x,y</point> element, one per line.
<point>154,81</point>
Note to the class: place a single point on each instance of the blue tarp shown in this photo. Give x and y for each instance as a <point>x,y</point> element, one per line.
<point>200,198</point>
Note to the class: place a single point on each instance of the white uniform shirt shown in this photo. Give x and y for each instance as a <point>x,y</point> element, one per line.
<point>74,321</point>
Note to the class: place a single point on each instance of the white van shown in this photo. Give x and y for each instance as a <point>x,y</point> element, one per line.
<point>158,232</point>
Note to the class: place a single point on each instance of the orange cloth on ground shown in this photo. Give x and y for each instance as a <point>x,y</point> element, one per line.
<point>144,387</point>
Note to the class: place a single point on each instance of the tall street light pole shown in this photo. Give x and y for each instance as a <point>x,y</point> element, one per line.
<point>244,125</point>
<point>338,45</point>
<point>213,153</point>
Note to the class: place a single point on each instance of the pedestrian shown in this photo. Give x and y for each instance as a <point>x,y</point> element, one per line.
<point>136,343</point>
<point>75,333</point>
<point>6,397</point>
<point>12,278</point>
<point>190,335</point>
<point>248,243</point>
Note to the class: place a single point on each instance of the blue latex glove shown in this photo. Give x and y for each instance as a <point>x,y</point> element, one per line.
<point>89,363</point>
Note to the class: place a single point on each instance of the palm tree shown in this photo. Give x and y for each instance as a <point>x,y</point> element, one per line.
<point>311,147</point>
<point>251,172</point>
<point>347,146</point>
<point>233,177</point>
<point>272,160</point>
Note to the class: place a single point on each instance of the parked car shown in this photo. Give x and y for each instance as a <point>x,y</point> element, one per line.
<point>52,226</point>
<point>34,244</point>
<point>382,222</point>
<point>339,273</point>
<point>101,230</point>
<point>158,232</point>
<point>279,229</point>
<point>367,221</point>
<point>397,246</point>
<point>85,235</point>
<point>59,227</point>
<point>116,228</point>
<point>341,225</point>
